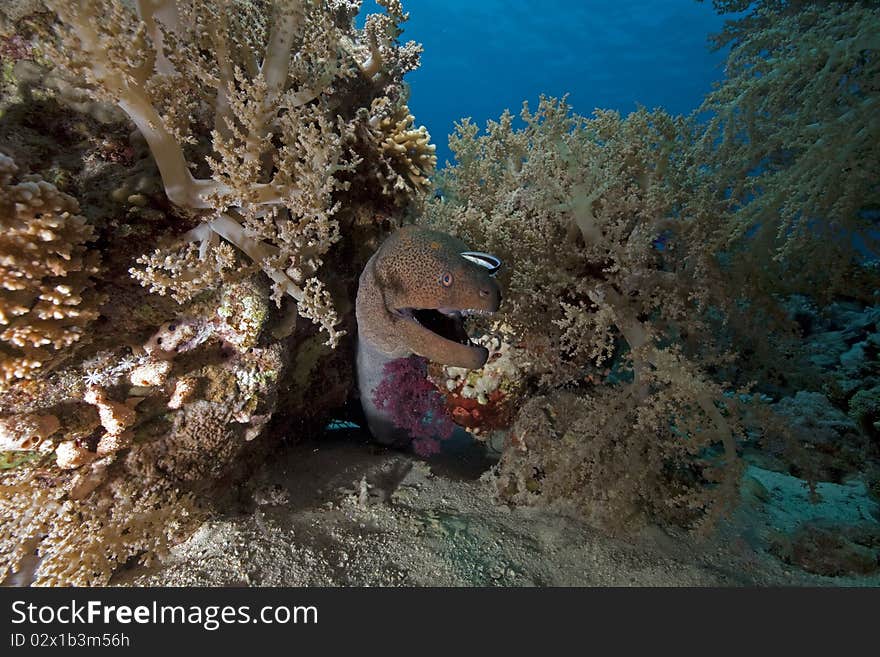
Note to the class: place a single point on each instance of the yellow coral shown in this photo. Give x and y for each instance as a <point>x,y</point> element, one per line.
<point>407,153</point>
<point>46,292</point>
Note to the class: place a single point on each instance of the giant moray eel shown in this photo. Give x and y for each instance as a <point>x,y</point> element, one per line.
<point>413,296</point>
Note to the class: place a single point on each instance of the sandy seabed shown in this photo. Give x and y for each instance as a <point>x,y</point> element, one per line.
<point>346,513</point>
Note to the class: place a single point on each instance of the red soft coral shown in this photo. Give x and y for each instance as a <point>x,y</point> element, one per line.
<point>413,404</point>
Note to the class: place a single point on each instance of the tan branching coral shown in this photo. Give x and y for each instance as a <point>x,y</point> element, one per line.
<point>46,290</point>
<point>377,54</point>
<point>256,115</point>
<point>184,271</point>
<point>603,239</point>
<point>407,154</point>
<point>581,211</point>
<point>82,542</point>
<point>792,145</point>
<point>242,104</point>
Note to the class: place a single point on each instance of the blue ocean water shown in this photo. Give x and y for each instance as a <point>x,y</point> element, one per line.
<point>482,57</point>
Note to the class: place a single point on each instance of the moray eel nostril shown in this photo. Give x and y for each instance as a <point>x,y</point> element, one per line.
<point>413,298</point>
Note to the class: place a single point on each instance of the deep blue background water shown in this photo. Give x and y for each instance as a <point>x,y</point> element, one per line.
<point>482,56</point>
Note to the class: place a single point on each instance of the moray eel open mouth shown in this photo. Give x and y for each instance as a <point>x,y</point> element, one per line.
<point>414,297</point>
<point>445,323</point>
<point>416,292</point>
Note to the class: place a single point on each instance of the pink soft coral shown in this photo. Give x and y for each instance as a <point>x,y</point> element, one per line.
<point>414,404</point>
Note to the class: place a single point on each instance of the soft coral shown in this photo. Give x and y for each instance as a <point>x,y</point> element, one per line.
<point>414,404</point>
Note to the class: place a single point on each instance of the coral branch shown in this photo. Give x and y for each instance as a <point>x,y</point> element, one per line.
<point>266,80</point>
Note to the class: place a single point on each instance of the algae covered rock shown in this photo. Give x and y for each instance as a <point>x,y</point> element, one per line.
<point>830,441</point>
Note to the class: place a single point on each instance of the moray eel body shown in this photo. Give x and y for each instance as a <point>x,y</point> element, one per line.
<point>413,296</point>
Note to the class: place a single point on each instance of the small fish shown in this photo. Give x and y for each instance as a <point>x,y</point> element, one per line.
<point>486,260</point>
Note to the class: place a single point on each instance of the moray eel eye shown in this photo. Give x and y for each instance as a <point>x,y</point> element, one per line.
<point>446,279</point>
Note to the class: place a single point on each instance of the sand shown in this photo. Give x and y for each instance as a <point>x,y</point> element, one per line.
<point>342,512</point>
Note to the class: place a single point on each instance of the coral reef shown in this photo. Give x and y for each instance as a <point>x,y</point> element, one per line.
<point>834,447</point>
<point>688,295</point>
<point>250,111</point>
<point>137,439</point>
<point>27,432</point>
<point>213,147</point>
<point>826,550</point>
<point>690,323</point>
<point>46,275</point>
<point>203,442</point>
<point>605,239</point>
<point>792,144</point>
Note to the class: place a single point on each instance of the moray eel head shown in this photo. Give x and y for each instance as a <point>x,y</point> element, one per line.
<point>430,283</point>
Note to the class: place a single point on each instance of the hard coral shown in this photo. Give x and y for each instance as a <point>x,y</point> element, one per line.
<point>46,287</point>
<point>864,408</point>
<point>407,157</point>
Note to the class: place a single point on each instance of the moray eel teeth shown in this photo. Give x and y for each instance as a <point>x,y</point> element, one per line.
<point>446,323</point>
